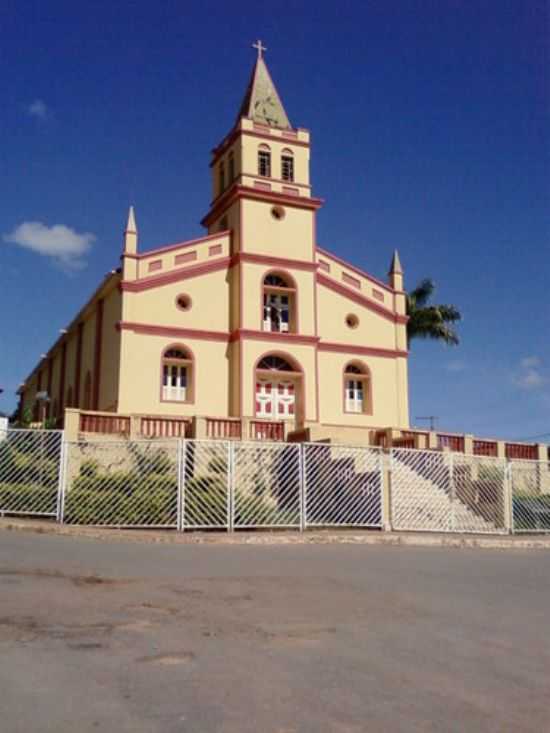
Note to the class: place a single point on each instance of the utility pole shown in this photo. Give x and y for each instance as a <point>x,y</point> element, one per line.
<point>431,418</point>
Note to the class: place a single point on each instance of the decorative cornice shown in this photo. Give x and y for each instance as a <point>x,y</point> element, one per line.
<point>173,331</point>
<point>182,273</point>
<point>353,268</point>
<point>177,245</point>
<point>237,192</point>
<point>359,299</point>
<point>362,350</point>
<point>274,261</point>
<point>288,338</point>
<point>233,135</point>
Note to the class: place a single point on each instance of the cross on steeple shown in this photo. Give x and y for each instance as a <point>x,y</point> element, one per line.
<point>258,45</point>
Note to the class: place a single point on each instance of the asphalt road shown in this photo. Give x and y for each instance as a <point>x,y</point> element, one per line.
<point>106,636</point>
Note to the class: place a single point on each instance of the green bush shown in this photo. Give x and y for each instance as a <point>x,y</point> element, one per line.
<point>27,498</point>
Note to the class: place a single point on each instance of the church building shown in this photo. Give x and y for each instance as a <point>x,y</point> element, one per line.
<point>251,322</point>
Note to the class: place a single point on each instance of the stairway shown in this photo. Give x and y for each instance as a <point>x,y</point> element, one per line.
<point>422,503</point>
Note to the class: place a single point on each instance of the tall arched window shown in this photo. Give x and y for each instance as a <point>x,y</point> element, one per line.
<point>87,402</point>
<point>177,375</point>
<point>279,303</point>
<point>357,389</point>
<point>278,387</point>
<point>287,165</point>
<point>264,161</point>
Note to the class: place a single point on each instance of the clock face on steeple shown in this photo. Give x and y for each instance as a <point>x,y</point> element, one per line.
<point>266,107</point>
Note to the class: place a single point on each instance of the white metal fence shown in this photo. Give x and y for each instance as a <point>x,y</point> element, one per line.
<point>231,485</point>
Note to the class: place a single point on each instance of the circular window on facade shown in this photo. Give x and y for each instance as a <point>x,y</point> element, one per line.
<point>183,302</point>
<point>277,212</point>
<point>352,321</point>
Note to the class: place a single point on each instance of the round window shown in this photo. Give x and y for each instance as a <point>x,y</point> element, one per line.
<point>183,302</point>
<point>277,212</point>
<point>352,321</point>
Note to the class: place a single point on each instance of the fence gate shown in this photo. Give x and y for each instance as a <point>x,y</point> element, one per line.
<point>30,462</point>
<point>121,484</point>
<point>530,483</point>
<point>266,485</point>
<point>447,492</point>
<point>204,484</point>
<point>342,486</point>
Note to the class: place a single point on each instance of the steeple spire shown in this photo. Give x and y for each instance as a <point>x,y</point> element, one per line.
<point>130,233</point>
<point>261,102</point>
<point>396,272</point>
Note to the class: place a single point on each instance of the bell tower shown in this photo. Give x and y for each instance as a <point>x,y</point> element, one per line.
<point>260,176</point>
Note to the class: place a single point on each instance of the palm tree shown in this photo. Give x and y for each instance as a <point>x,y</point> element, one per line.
<point>430,321</point>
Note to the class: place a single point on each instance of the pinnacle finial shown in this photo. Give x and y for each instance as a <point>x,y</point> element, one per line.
<point>395,267</point>
<point>260,48</point>
<point>131,225</point>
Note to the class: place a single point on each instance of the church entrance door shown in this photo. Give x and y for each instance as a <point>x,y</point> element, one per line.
<point>275,398</point>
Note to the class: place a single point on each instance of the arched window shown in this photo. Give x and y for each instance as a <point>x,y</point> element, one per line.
<point>87,403</point>
<point>287,165</point>
<point>177,373</point>
<point>357,389</point>
<point>279,303</point>
<point>264,161</point>
<point>278,388</point>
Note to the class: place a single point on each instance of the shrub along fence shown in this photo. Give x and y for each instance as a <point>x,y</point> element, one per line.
<point>229,485</point>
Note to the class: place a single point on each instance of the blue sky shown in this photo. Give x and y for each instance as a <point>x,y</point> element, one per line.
<point>430,134</point>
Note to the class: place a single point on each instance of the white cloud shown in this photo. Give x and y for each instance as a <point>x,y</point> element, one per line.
<point>529,362</point>
<point>530,375</point>
<point>455,366</point>
<point>65,246</point>
<point>38,109</point>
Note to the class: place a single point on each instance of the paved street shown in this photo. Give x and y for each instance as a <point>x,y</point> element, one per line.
<point>114,636</point>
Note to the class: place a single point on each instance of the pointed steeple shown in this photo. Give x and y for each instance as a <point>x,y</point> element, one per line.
<point>395,275</point>
<point>131,225</point>
<point>130,234</point>
<point>395,267</point>
<point>261,101</point>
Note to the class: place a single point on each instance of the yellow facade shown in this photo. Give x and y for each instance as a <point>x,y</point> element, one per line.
<point>251,321</point>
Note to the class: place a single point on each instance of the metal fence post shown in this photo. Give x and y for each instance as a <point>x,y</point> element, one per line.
<point>508,498</point>
<point>452,492</point>
<point>230,486</point>
<point>385,468</point>
<point>62,484</point>
<point>180,463</point>
<point>303,487</point>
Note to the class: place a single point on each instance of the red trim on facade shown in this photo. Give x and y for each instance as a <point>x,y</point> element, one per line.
<point>177,245</point>
<point>289,338</point>
<point>262,185</point>
<point>61,399</point>
<point>360,299</point>
<point>154,265</point>
<point>185,257</point>
<point>355,269</point>
<point>78,365</point>
<point>324,266</point>
<point>173,276</point>
<point>378,295</point>
<point>297,374</point>
<point>97,353</point>
<point>361,350</point>
<point>291,191</point>
<point>230,138</point>
<point>238,191</point>
<point>351,281</point>
<point>274,261</point>
<point>215,249</point>
<point>173,331</point>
